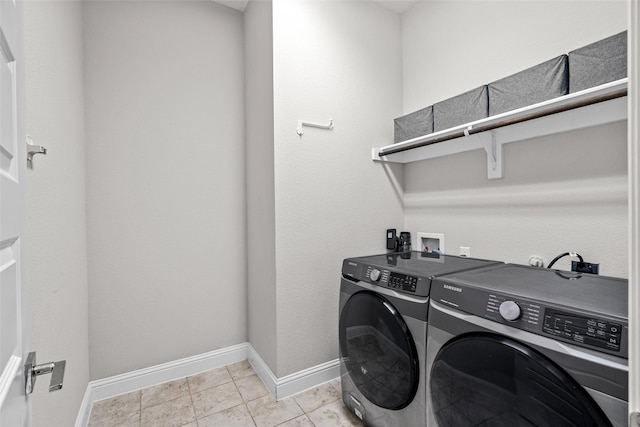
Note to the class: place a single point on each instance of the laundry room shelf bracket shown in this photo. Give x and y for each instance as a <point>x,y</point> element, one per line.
<point>494,156</point>
<point>596,106</point>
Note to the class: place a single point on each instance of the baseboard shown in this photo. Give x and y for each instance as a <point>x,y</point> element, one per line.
<point>132,381</point>
<point>82,419</point>
<point>263,371</point>
<point>296,382</point>
<point>308,378</point>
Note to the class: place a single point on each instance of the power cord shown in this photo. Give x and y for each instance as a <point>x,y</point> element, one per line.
<point>574,254</point>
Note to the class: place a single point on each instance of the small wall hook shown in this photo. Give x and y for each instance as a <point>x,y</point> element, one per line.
<point>302,124</point>
<point>32,150</point>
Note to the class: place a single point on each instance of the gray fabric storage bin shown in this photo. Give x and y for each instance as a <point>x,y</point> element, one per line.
<point>536,84</point>
<point>467,107</point>
<point>598,63</point>
<point>412,125</point>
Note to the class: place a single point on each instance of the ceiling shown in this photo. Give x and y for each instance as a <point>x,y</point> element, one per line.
<point>397,6</point>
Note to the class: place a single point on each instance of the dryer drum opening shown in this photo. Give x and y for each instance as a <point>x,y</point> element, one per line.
<point>378,351</point>
<point>488,379</point>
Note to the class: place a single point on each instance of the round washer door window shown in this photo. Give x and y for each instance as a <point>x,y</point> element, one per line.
<point>378,351</point>
<point>487,379</point>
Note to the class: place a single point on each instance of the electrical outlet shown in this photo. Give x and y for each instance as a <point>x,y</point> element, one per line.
<point>536,261</point>
<point>584,267</point>
<point>465,251</point>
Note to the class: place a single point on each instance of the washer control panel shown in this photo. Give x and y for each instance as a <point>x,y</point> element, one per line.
<point>578,328</point>
<point>511,311</point>
<point>583,330</point>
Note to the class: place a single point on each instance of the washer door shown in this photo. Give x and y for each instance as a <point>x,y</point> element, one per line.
<point>378,351</point>
<point>490,380</point>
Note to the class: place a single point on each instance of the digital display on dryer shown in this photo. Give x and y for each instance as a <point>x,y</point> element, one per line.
<point>583,330</point>
<point>403,282</point>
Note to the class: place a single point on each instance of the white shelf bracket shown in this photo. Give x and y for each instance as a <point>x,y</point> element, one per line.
<point>494,157</point>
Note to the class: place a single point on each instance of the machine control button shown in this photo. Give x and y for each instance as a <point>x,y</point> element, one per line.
<point>375,275</point>
<point>510,311</point>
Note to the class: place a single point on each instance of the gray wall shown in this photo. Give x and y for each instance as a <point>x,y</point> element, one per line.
<point>165,181</point>
<point>331,200</point>
<point>565,192</point>
<point>261,253</point>
<point>56,192</point>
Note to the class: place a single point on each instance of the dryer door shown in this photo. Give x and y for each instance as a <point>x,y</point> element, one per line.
<point>378,351</point>
<point>488,379</point>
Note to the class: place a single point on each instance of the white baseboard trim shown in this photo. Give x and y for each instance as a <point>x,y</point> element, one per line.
<point>307,378</point>
<point>135,380</point>
<point>296,382</point>
<point>82,419</point>
<point>262,369</point>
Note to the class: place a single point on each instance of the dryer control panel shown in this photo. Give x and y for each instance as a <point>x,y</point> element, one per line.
<point>403,281</point>
<point>399,281</point>
<point>582,329</point>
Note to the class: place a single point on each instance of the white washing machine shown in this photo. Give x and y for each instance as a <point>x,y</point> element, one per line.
<point>513,346</point>
<point>384,302</point>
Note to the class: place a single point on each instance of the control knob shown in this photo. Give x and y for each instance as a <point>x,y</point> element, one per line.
<point>510,311</point>
<point>375,275</point>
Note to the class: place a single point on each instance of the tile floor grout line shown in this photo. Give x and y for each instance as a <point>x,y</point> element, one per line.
<point>140,406</point>
<point>244,402</point>
<point>193,405</point>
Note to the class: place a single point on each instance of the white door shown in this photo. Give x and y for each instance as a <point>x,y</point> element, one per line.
<point>634,214</point>
<point>14,406</point>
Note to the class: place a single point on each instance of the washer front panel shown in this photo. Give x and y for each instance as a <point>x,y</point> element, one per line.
<point>488,379</point>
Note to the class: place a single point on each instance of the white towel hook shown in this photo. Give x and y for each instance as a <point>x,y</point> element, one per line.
<point>302,124</point>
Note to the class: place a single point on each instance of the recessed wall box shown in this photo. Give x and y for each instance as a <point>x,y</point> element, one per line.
<point>430,242</point>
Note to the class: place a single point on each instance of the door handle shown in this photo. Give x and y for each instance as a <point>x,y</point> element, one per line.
<point>31,371</point>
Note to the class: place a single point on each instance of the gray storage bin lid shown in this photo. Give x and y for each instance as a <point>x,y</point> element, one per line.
<point>467,107</point>
<point>413,125</point>
<point>536,84</point>
<point>598,63</point>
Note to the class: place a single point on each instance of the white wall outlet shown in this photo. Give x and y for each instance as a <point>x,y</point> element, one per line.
<point>430,242</point>
<point>536,261</point>
<point>465,251</point>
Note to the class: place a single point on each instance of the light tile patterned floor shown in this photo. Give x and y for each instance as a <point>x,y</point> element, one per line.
<point>226,397</point>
